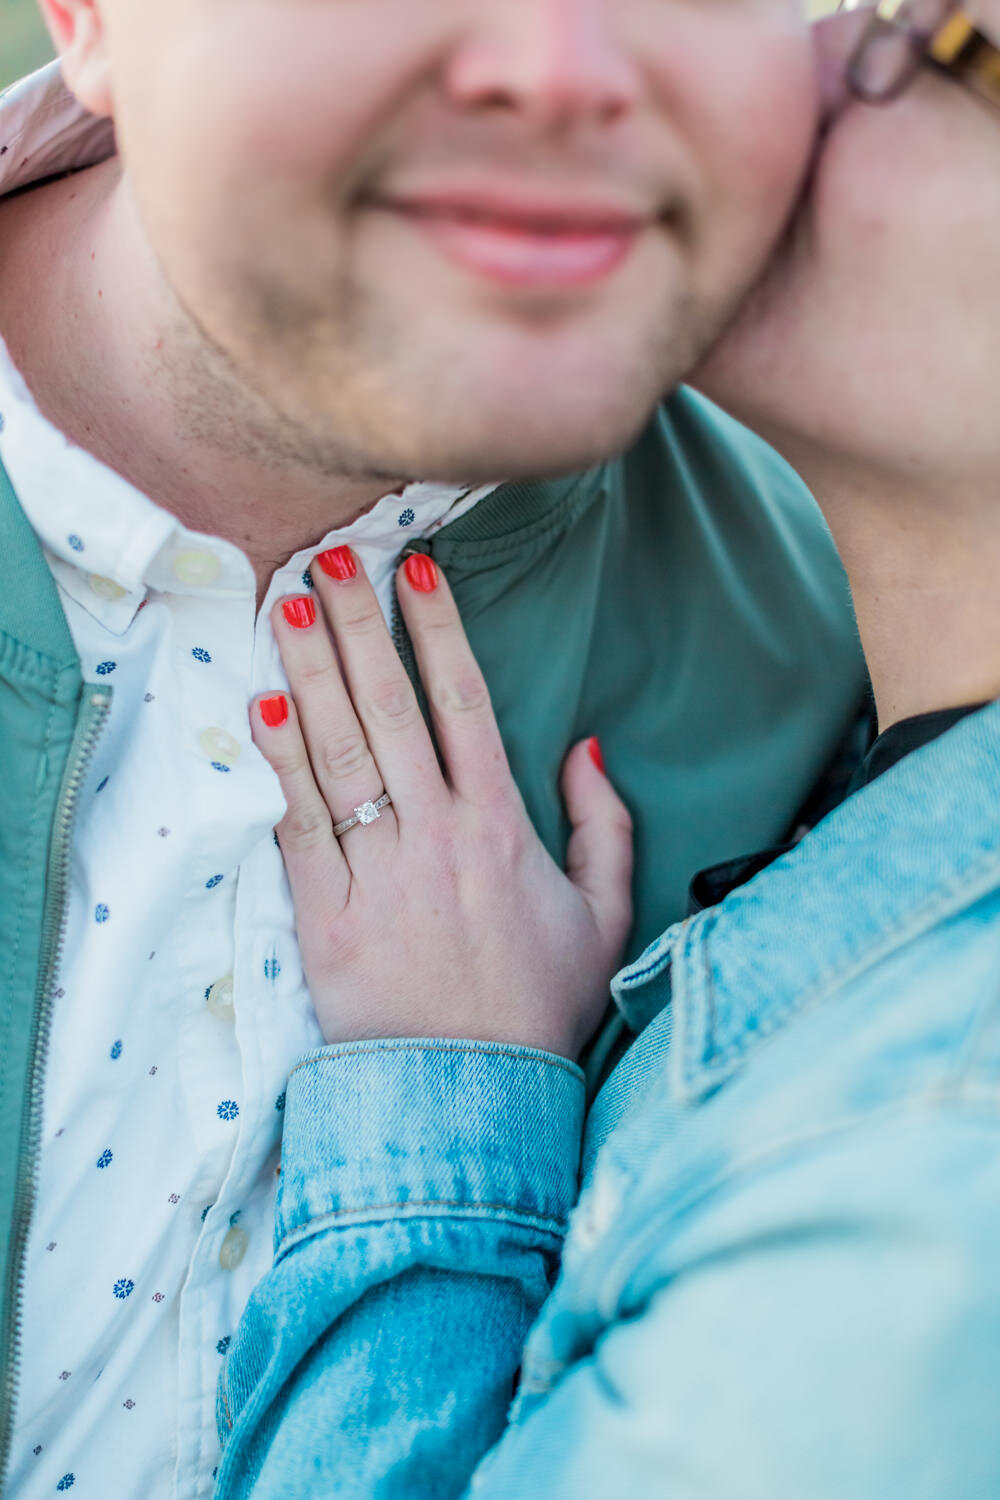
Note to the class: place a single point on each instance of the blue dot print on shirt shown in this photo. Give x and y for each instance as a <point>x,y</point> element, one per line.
<point>101,913</point>
<point>272,968</point>
<point>102,784</point>
<point>279,1103</point>
<point>66,1482</point>
<point>218,765</point>
<point>123,1288</point>
<point>228,1109</point>
<point>307,580</point>
<point>105,1159</point>
<point>105,668</point>
<point>75,542</point>
<point>223,1344</point>
<point>200,654</point>
<point>407,517</point>
<point>116,1051</point>
<point>212,882</point>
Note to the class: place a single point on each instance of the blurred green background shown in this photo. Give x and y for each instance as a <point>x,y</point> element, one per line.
<point>24,42</point>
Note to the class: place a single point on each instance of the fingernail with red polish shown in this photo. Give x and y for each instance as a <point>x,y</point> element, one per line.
<point>300,613</point>
<point>422,573</point>
<point>338,563</point>
<point>274,711</point>
<point>596,753</point>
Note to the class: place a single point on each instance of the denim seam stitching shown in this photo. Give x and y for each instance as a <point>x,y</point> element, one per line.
<point>470,1203</point>
<point>907,928</point>
<point>666,946</point>
<point>373,1049</point>
<point>506,1212</point>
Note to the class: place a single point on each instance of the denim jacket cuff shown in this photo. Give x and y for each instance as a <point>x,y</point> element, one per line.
<point>409,1129</point>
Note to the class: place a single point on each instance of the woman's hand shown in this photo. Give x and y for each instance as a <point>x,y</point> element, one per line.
<point>446,917</point>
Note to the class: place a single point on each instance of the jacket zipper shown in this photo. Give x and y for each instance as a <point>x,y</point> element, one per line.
<point>90,722</point>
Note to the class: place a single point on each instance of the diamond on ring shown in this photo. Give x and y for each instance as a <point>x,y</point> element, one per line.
<point>368,812</point>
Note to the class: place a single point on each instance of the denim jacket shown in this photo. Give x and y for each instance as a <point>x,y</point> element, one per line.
<point>781,1279</point>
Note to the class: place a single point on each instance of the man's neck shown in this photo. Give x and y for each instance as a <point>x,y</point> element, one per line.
<point>923,558</point>
<point>114,363</point>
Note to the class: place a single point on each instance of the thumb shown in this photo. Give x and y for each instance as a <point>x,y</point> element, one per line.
<point>599,857</point>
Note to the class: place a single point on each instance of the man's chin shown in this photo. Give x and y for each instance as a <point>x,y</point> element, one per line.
<point>488,422</point>
<point>527,446</point>
<point>508,405</point>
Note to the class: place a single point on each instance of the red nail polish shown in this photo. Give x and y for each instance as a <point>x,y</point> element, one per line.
<point>300,613</point>
<point>422,573</point>
<point>274,711</point>
<point>338,563</point>
<point>596,753</point>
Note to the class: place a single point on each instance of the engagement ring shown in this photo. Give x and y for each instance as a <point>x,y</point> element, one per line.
<point>368,812</point>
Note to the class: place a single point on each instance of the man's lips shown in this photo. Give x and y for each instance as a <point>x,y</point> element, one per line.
<point>525,243</point>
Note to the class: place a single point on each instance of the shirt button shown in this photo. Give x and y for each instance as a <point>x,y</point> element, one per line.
<point>233,1248</point>
<point>106,588</point>
<point>197,568</point>
<point>220,746</point>
<point>220,999</point>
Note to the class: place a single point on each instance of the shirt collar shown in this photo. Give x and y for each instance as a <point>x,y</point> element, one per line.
<point>44,131</point>
<point>100,534</point>
<point>108,544</point>
<point>898,857</point>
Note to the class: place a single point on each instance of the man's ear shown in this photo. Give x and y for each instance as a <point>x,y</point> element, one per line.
<point>77,28</point>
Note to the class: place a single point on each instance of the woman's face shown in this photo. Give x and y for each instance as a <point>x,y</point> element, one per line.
<point>873,335</point>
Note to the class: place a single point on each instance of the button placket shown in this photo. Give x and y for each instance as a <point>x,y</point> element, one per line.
<point>241,808</point>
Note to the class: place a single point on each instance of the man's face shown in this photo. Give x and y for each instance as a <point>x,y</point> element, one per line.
<point>873,337</point>
<point>461,239</point>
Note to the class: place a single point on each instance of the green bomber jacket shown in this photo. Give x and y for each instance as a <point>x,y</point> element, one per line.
<point>684,602</point>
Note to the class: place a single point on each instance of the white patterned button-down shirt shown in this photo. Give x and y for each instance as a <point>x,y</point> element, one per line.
<point>181,1004</point>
